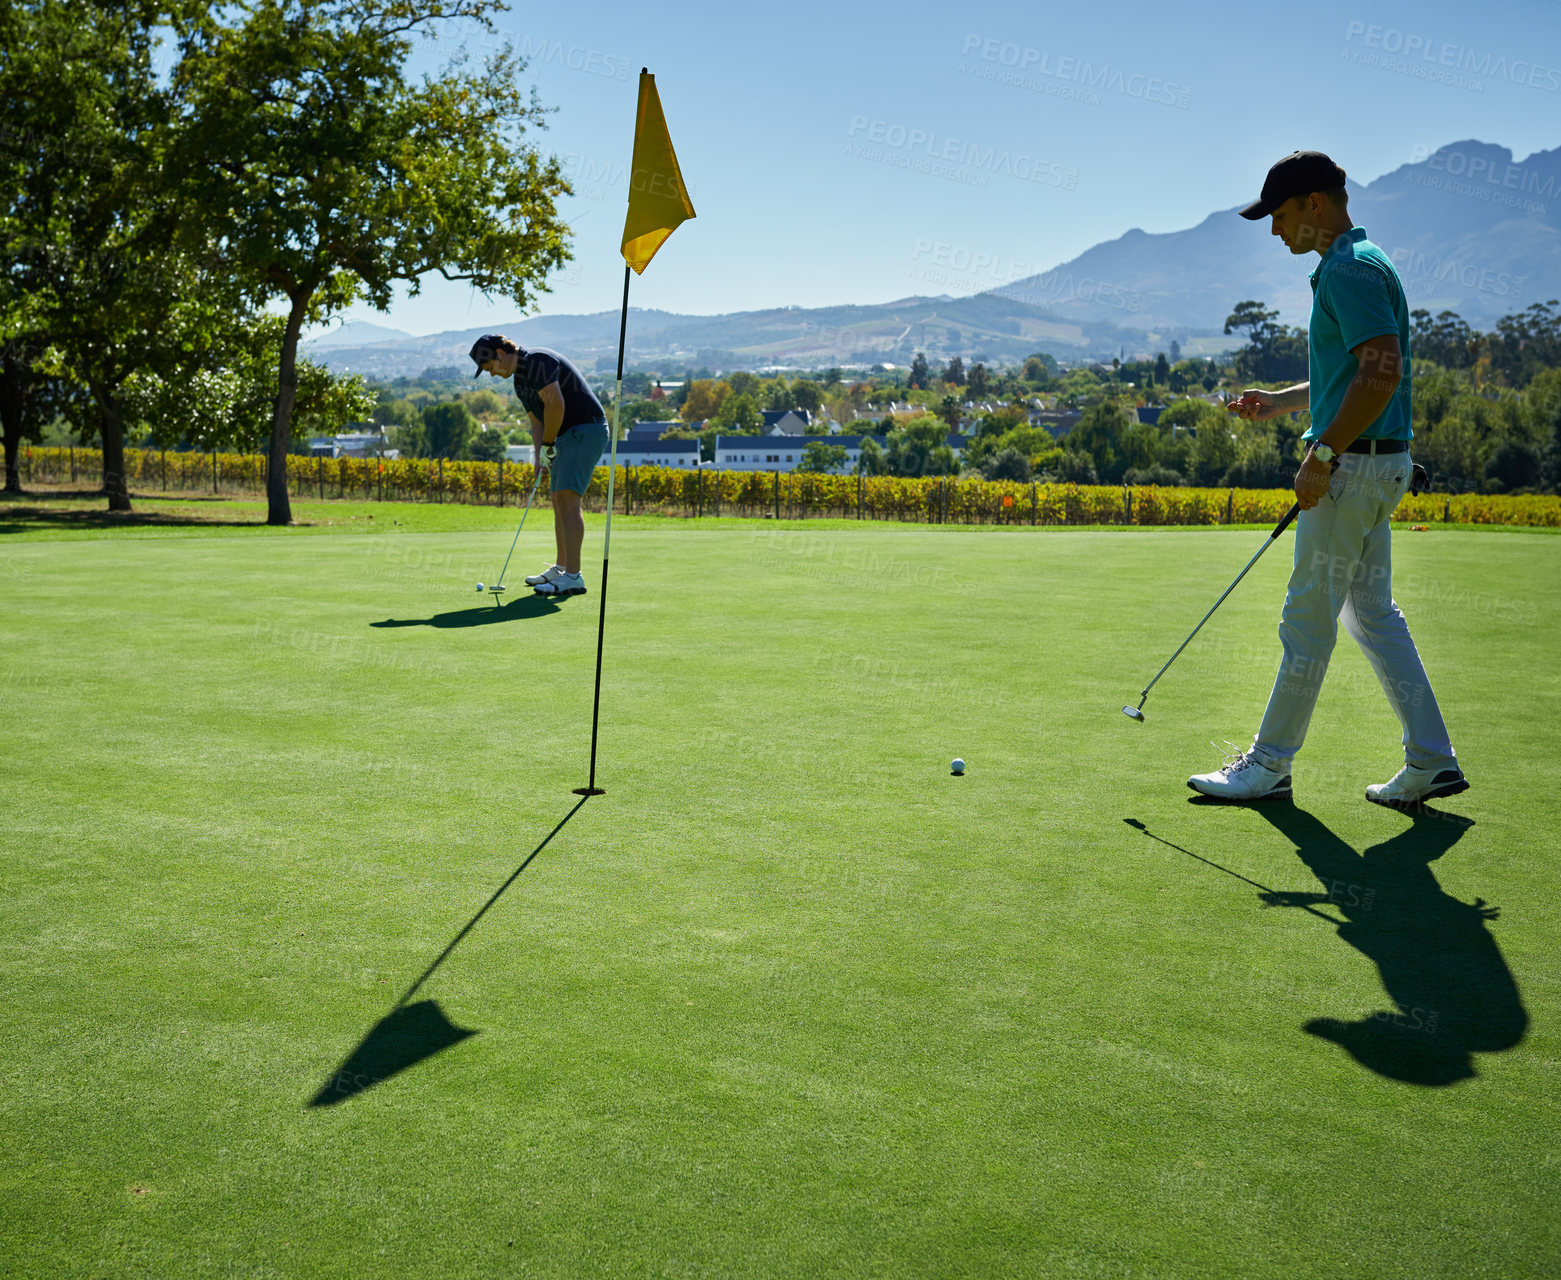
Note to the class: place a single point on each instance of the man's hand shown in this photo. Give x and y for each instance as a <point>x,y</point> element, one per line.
<point>549,452</point>
<point>1255,406</point>
<point>1311,481</point>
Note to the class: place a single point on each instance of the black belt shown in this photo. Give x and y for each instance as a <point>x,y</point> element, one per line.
<point>1377,446</point>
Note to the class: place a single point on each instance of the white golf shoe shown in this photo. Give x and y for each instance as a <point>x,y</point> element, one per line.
<point>566,584</point>
<point>1411,786</point>
<point>551,574</point>
<point>1242,777</point>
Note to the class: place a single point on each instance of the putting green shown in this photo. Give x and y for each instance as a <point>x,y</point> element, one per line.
<point>789,999</point>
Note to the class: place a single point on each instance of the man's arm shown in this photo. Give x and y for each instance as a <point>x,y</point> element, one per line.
<point>552,412</point>
<point>1256,406</point>
<point>1379,370</point>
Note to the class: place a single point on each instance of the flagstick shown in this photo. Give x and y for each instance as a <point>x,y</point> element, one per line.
<point>591,789</point>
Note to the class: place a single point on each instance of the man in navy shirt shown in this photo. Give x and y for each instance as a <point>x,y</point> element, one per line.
<point>568,437</point>
<point>1355,471</point>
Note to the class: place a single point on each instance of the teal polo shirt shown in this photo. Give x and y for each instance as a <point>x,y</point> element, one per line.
<point>1356,295</point>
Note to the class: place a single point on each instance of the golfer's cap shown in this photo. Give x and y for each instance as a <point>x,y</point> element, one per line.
<point>487,348</point>
<point>1299,174</point>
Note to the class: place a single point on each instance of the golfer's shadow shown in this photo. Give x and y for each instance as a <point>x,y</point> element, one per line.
<point>1453,993</point>
<point>411,1033</point>
<point>486,615</point>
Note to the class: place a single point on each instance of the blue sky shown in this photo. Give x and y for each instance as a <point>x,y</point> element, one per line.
<point>859,153</point>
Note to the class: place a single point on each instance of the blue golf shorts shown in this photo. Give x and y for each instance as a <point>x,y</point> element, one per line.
<point>578,451</point>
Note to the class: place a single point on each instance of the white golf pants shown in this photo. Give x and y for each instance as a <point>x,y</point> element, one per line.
<point>1343,570</point>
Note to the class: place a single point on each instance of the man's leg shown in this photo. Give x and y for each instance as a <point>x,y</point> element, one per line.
<point>1328,542</point>
<point>1373,618</point>
<point>569,525</point>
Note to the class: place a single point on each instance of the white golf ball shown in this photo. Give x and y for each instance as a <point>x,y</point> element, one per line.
<point>479,586</point>
<point>957,766</point>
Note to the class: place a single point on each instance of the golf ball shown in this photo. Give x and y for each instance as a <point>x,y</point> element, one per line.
<point>479,586</point>
<point>957,765</point>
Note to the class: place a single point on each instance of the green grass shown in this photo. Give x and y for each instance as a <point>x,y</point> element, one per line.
<point>789,999</point>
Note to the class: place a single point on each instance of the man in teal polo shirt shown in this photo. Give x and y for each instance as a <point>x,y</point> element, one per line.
<point>1356,469</point>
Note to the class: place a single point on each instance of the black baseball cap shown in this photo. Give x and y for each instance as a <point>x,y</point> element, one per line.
<point>1299,174</point>
<point>487,348</point>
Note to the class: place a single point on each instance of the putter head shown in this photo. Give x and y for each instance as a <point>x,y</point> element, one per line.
<point>1133,713</point>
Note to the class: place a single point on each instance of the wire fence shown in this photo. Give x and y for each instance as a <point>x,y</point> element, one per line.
<point>706,492</point>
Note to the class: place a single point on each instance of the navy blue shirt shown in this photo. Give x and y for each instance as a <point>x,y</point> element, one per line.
<point>538,366</point>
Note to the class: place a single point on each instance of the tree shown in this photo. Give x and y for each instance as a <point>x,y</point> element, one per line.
<point>702,400</point>
<point>1007,464</point>
<point>744,383</point>
<point>487,445</point>
<point>1273,352</point>
<point>1162,369</point>
<point>871,461</point>
<point>921,373</point>
<point>1039,367</point>
<point>949,411</point>
<point>1098,434</point>
<point>1447,340</point>
<point>822,457</point>
<point>955,372</point>
<point>920,448</point>
<point>1514,465</point>
<point>325,175</point>
<point>980,384</point>
<point>88,228</point>
<point>738,415</point>
<point>448,429</point>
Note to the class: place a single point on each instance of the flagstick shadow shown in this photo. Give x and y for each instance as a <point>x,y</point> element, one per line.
<point>410,1033</point>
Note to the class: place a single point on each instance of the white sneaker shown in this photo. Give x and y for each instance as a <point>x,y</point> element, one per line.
<point>1410,786</point>
<point>550,574</point>
<point>1242,777</point>
<point>566,584</point>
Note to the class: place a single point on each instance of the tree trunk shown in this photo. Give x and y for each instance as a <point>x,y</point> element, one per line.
<point>12,408</point>
<point>111,426</point>
<point>278,509</point>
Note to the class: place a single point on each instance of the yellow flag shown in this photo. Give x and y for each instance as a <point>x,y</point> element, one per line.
<point>658,200</point>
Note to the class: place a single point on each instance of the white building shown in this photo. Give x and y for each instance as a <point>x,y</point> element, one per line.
<point>783,453</point>
<point>352,444</point>
<point>518,453</point>
<point>656,453</point>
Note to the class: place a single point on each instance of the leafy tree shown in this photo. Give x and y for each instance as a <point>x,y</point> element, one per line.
<point>325,175</point>
<point>641,410</point>
<point>1157,475</point>
<point>1273,351</point>
<point>1162,369</point>
<point>744,383</point>
<point>806,394</point>
<point>1007,464</point>
<point>871,460</point>
<point>819,456</point>
<point>486,404</point>
<point>955,372</point>
<point>921,373</point>
<point>1039,367</point>
<point>702,399</point>
<point>1514,465</point>
<point>1098,434</point>
<point>448,429</point>
<point>949,411</point>
<point>1447,340</point>
<point>738,415</point>
<point>487,445</point>
<point>88,227</point>
<point>920,448</point>
<point>980,383</point>
<point>1526,342</point>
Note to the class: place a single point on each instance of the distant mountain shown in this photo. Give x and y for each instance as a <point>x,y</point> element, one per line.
<point>1470,230</point>
<point>358,333</point>
<point>982,327</point>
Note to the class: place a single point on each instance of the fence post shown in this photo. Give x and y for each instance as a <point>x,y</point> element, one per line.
<point>441,479</point>
<point>501,482</point>
<point>214,471</point>
<point>777,494</point>
<point>718,495</point>
<point>1447,511</point>
<point>165,470</point>
<point>73,464</point>
<point>1033,505</point>
<point>1230,504</point>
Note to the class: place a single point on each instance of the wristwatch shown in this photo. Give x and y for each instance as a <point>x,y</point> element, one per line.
<point>1323,453</point>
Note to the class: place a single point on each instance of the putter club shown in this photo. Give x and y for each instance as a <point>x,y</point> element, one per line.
<point>1137,713</point>
<point>498,587</point>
